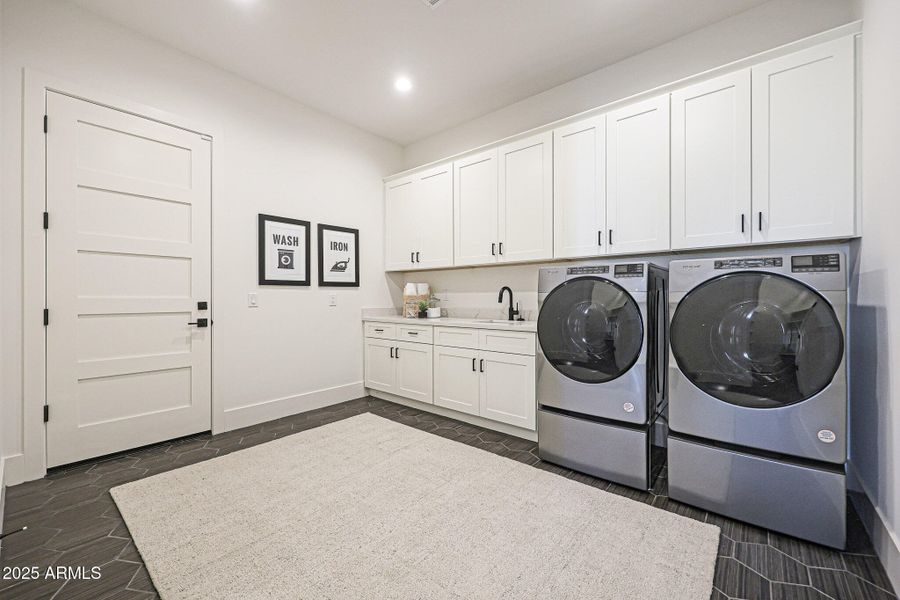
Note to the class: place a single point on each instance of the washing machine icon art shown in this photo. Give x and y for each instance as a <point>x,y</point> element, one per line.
<point>285,259</point>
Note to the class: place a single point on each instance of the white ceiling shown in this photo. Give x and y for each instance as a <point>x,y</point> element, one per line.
<point>465,57</point>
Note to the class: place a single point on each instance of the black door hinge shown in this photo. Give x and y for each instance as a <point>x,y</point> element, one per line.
<point>46,316</point>
<point>45,123</point>
<point>46,413</point>
<point>46,220</point>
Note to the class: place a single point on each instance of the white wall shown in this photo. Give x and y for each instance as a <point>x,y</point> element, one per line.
<point>875,412</point>
<point>278,157</point>
<point>762,28</point>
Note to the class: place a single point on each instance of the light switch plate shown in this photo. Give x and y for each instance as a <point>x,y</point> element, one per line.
<point>332,299</point>
<point>253,300</point>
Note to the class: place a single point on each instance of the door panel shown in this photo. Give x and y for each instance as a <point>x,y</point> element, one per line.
<point>456,379</point>
<point>400,218</point>
<point>638,177</point>
<point>579,189</point>
<point>434,211</point>
<point>414,371</point>
<point>711,163</point>
<point>803,144</point>
<point>526,199</point>
<point>508,388</point>
<point>128,258</point>
<point>475,209</point>
<point>381,367</point>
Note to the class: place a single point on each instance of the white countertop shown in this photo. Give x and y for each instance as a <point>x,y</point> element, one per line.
<point>457,322</point>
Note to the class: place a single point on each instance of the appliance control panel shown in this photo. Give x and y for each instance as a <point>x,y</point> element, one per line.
<point>750,263</point>
<point>630,270</point>
<point>815,263</point>
<point>588,270</point>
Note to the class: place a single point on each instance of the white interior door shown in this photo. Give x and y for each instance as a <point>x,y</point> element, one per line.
<point>711,163</point>
<point>128,259</point>
<point>475,199</point>
<point>526,199</point>
<point>637,177</point>
<point>579,188</point>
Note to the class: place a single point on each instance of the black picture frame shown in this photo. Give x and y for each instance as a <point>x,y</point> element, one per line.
<point>261,250</point>
<point>322,228</point>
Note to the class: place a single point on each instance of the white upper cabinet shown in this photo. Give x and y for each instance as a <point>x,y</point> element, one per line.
<point>803,144</point>
<point>711,163</point>
<point>526,199</point>
<point>419,220</point>
<point>579,188</point>
<point>637,184</point>
<point>476,209</point>
<point>433,211</point>
<point>400,224</point>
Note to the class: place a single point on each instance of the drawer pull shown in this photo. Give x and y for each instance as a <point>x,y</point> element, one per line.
<point>379,330</point>
<point>413,332</point>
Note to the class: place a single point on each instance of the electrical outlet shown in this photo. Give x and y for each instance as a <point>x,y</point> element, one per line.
<point>253,300</point>
<point>332,299</point>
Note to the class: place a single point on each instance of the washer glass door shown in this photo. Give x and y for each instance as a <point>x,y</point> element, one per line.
<point>758,340</point>
<point>590,330</point>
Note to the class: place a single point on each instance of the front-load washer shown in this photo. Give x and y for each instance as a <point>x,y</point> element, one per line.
<point>601,368</point>
<point>758,390</point>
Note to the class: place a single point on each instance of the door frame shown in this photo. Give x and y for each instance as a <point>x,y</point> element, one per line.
<point>32,462</point>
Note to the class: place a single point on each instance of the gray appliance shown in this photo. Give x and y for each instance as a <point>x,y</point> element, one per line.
<point>601,368</point>
<point>758,390</point>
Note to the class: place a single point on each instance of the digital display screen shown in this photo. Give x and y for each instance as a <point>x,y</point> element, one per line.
<point>802,261</point>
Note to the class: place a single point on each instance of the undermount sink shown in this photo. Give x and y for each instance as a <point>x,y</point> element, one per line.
<point>507,321</point>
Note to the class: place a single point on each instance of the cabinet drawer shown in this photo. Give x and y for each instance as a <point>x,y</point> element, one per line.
<point>386,331</point>
<point>458,337</point>
<point>414,333</point>
<point>513,342</point>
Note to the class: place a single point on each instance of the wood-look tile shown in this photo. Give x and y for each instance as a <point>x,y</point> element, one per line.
<point>770,563</point>
<point>739,581</point>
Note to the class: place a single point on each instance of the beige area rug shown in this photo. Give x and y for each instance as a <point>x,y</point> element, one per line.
<point>370,508</point>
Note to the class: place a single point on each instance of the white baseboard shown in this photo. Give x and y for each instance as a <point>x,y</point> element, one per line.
<point>884,539</point>
<point>14,470</point>
<point>244,416</point>
<point>452,414</point>
<point>2,493</point>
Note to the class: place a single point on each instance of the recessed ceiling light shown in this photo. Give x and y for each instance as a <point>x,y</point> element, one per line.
<point>403,84</point>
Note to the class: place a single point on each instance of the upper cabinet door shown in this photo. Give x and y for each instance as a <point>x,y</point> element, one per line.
<point>711,163</point>
<point>434,213</point>
<point>526,199</point>
<point>400,224</point>
<point>475,209</point>
<point>637,183</point>
<point>803,145</point>
<point>579,188</point>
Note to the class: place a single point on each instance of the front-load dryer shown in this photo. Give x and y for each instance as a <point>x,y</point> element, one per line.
<point>601,368</point>
<point>758,390</point>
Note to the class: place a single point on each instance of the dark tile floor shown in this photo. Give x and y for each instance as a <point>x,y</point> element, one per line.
<point>72,521</point>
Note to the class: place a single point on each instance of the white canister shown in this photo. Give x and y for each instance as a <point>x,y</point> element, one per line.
<point>434,312</point>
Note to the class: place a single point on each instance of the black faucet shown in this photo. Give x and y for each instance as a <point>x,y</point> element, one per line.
<point>512,312</point>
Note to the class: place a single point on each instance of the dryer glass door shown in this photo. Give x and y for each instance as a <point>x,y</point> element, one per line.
<point>590,330</point>
<point>758,340</point>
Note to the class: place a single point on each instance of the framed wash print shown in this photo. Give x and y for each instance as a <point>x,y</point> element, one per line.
<point>338,256</point>
<point>283,251</point>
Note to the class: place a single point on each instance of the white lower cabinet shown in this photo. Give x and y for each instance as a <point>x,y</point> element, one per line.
<point>414,375</point>
<point>493,385</point>
<point>457,382</point>
<point>401,368</point>
<point>508,388</point>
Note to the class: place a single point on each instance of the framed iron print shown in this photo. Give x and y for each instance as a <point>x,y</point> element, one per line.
<point>338,256</point>
<point>283,251</point>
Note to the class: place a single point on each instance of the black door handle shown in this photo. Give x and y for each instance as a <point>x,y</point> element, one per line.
<point>481,365</point>
<point>396,352</point>
<point>609,237</point>
<point>200,323</point>
<point>501,248</point>
<point>392,352</point>
<point>760,220</point>
<point>473,365</point>
<point>417,256</point>
<point>412,257</point>
<point>493,249</point>
<point>742,222</point>
<point>600,238</point>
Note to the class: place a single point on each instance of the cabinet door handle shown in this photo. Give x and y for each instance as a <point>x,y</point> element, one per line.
<point>501,248</point>
<point>760,220</point>
<point>392,352</point>
<point>493,249</point>
<point>412,257</point>
<point>417,256</point>
<point>473,365</point>
<point>396,352</point>
<point>600,237</point>
<point>742,222</point>
<point>481,365</point>
<point>609,237</point>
